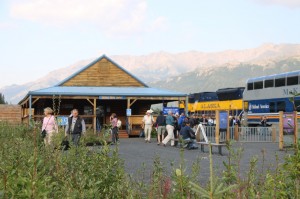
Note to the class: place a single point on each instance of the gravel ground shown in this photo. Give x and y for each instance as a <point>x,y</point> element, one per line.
<point>137,155</point>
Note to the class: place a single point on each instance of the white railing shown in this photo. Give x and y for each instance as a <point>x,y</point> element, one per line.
<point>257,134</point>
<point>242,134</point>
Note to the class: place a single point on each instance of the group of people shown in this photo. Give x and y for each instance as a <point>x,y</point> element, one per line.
<point>73,131</point>
<point>174,124</point>
<point>75,128</point>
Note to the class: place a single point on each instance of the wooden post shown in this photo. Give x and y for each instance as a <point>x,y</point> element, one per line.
<point>281,130</point>
<point>217,133</point>
<point>186,105</point>
<point>95,117</point>
<point>295,128</point>
<point>30,108</point>
<point>228,128</point>
<point>236,133</point>
<point>273,134</point>
<point>128,118</point>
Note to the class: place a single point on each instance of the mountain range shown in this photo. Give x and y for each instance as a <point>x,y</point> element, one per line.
<point>187,72</point>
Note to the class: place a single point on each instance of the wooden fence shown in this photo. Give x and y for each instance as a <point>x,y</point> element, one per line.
<point>10,113</point>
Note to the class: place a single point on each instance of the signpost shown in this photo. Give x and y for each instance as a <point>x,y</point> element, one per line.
<point>128,112</point>
<point>62,121</point>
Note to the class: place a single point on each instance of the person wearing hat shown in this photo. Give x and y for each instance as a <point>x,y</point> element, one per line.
<point>49,124</point>
<point>148,123</point>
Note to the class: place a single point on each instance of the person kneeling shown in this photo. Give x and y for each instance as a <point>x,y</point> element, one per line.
<point>188,136</point>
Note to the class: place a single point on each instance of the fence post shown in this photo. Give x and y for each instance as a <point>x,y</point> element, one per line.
<point>280,130</point>
<point>273,134</point>
<point>228,128</point>
<point>236,133</point>
<point>217,134</point>
<point>295,128</point>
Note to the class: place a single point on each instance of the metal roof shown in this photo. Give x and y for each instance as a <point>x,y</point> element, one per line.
<point>106,91</point>
<point>94,62</point>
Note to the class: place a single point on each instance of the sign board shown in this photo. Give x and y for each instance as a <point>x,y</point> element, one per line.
<point>62,121</point>
<point>223,119</point>
<point>173,109</point>
<point>128,112</point>
<point>200,127</point>
<point>288,123</point>
<point>111,97</point>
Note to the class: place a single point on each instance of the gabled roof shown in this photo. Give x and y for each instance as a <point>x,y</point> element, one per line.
<point>106,91</point>
<point>93,63</point>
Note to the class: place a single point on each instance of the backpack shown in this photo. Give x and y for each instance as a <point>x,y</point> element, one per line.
<point>119,123</point>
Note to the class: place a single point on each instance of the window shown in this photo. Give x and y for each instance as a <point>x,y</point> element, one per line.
<point>250,86</point>
<point>292,80</point>
<point>280,82</point>
<point>258,85</point>
<point>297,104</point>
<point>281,106</point>
<point>269,83</point>
<point>272,107</point>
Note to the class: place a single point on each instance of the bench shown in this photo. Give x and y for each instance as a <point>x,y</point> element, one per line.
<point>220,145</point>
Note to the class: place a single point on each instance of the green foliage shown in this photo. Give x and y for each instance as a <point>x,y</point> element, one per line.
<point>216,188</point>
<point>28,169</point>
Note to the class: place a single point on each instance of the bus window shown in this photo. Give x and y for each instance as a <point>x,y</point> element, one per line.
<point>281,106</point>
<point>272,107</point>
<point>258,85</point>
<point>250,86</point>
<point>292,80</point>
<point>280,82</point>
<point>269,83</point>
<point>297,105</point>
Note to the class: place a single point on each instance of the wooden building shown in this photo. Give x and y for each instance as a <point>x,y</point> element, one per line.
<point>97,90</point>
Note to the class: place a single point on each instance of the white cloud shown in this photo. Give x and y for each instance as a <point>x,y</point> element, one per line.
<point>287,3</point>
<point>121,16</point>
<point>7,25</point>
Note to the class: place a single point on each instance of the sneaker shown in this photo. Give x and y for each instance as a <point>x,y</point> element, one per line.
<point>158,143</point>
<point>146,141</point>
<point>149,141</point>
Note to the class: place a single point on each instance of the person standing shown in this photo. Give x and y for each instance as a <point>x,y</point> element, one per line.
<point>161,127</point>
<point>49,124</point>
<point>75,128</point>
<point>114,123</point>
<point>148,123</point>
<point>170,129</point>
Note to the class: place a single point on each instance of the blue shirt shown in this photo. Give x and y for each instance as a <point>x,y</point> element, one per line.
<point>170,120</point>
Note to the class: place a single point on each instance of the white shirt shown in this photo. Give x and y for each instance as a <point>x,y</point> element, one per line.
<point>148,120</point>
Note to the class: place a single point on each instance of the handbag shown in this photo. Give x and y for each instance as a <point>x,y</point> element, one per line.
<point>44,132</point>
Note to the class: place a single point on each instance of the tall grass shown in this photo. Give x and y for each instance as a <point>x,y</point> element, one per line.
<point>28,169</point>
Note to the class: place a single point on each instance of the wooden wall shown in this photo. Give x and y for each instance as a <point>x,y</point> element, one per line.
<point>10,113</point>
<point>103,73</point>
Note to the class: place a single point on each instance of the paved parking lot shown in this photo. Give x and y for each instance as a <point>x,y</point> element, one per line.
<point>135,152</point>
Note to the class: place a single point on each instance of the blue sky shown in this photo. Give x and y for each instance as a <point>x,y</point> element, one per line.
<point>38,36</point>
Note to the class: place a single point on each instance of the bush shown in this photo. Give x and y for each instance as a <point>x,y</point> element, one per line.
<point>28,169</point>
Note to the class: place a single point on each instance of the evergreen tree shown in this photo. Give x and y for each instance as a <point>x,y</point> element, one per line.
<point>2,99</point>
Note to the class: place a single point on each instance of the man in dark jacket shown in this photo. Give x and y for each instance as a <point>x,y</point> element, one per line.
<point>75,128</point>
<point>161,127</point>
<point>188,136</point>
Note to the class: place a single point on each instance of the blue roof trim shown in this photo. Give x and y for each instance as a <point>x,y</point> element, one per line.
<point>106,91</point>
<point>94,62</point>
